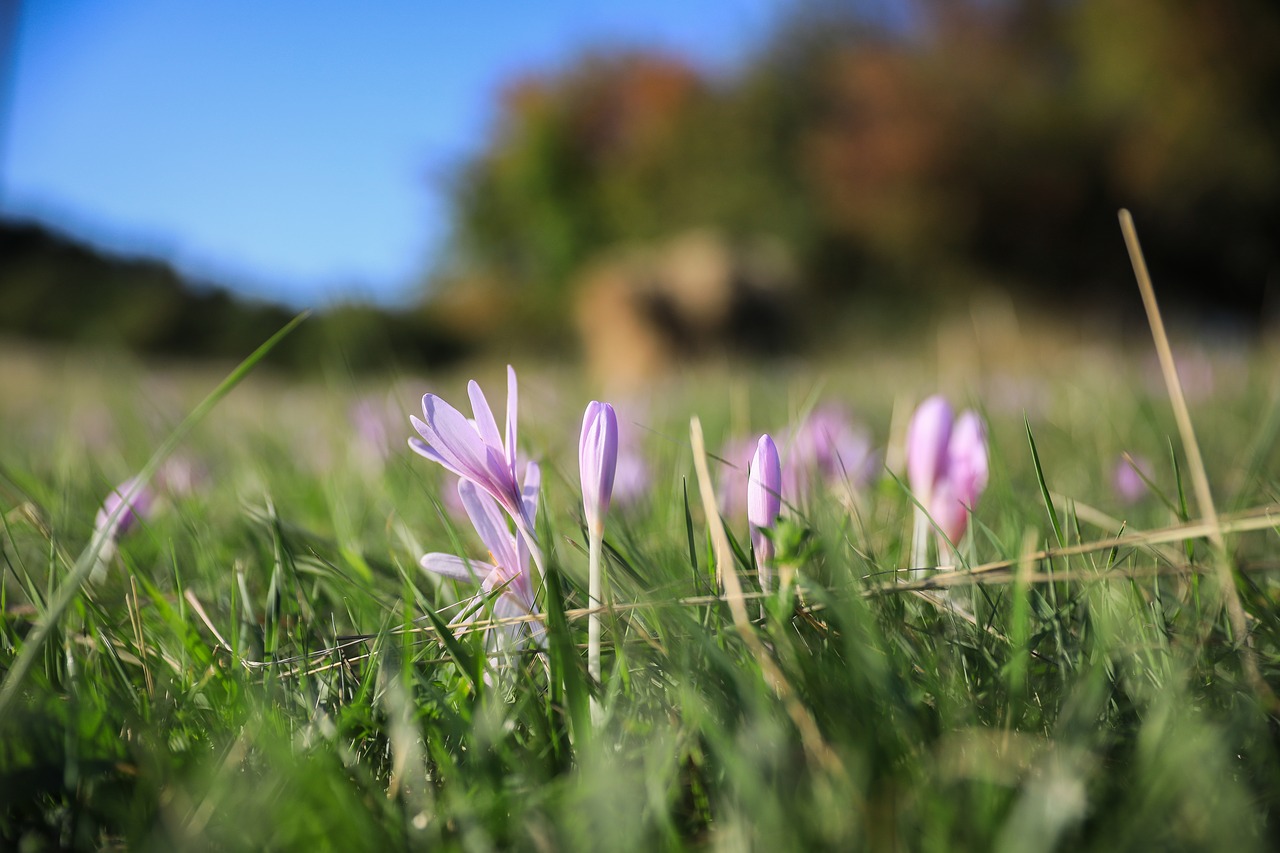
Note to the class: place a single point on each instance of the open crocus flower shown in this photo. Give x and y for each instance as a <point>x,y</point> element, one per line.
<point>946,467</point>
<point>508,575</point>
<point>477,452</point>
<point>764,504</point>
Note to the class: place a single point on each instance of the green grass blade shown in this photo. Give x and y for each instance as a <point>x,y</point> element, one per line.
<point>1044,488</point>
<point>70,587</point>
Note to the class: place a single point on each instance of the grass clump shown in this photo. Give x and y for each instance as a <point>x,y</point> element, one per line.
<point>266,667</point>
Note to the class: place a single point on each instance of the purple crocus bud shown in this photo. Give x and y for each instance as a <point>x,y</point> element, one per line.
<point>1127,479</point>
<point>118,517</point>
<point>948,512</point>
<point>959,484</point>
<point>597,462</point>
<point>967,458</point>
<point>764,502</point>
<point>928,438</point>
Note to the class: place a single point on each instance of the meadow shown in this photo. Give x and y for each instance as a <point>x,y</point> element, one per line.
<point>260,662</point>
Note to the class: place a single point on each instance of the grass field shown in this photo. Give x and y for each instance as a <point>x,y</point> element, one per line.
<point>261,667</point>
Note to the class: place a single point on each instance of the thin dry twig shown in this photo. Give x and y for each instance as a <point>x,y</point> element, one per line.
<point>1195,462</point>
<point>810,735</point>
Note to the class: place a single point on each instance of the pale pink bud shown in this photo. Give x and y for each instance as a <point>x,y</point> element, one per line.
<point>764,500</point>
<point>597,461</point>
<point>928,437</point>
<point>118,520</point>
<point>967,458</point>
<point>1128,478</point>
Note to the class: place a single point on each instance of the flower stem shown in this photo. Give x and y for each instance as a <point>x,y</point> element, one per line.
<point>919,545</point>
<point>595,546</point>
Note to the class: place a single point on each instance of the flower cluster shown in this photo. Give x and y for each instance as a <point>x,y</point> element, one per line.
<point>946,467</point>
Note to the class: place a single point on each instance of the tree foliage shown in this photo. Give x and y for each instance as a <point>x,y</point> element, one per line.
<point>979,142</point>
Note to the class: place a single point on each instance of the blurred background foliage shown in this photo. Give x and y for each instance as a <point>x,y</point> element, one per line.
<point>984,142</point>
<point>851,175</point>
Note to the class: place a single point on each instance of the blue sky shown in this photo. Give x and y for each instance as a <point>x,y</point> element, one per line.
<point>293,149</point>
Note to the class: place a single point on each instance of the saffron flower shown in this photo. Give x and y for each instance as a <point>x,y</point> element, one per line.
<point>369,419</point>
<point>927,439</point>
<point>476,452</point>
<point>1129,479</point>
<point>764,504</point>
<point>121,511</point>
<point>597,461</point>
<point>947,469</point>
<point>830,445</point>
<point>632,477</point>
<point>508,575</point>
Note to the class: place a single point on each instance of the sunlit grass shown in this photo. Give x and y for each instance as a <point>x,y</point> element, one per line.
<point>263,668</point>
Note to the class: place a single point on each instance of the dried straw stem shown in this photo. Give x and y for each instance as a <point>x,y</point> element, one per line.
<point>1195,462</point>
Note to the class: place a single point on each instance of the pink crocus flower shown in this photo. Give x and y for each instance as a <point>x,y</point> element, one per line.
<point>632,477</point>
<point>474,450</point>
<point>830,446</point>
<point>597,461</point>
<point>126,506</point>
<point>118,516</point>
<point>947,467</point>
<point>369,419</point>
<point>967,471</point>
<point>764,504</point>
<point>927,439</point>
<point>508,574</point>
<point>1127,478</point>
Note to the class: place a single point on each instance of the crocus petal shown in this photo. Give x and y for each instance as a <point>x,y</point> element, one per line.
<point>420,447</point>
<point>529,492</point>
<point>512,402</point>
<point>1127,479</point>
<point>967,459</point>
<point>471,571</point>
<point>949,513</point>
<point>927,440</point>
<point>462,450</point>
<point>597,460</point>
<point>764,499</point>
<point>117,515</point>
<point>490,523</point>
<point>453,437</point>
<point>485,424</point>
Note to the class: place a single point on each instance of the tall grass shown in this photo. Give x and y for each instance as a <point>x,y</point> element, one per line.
<point>266,667</point>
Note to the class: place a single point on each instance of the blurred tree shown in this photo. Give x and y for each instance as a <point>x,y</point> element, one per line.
<point>977,141</point>
<point>53,288</point>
